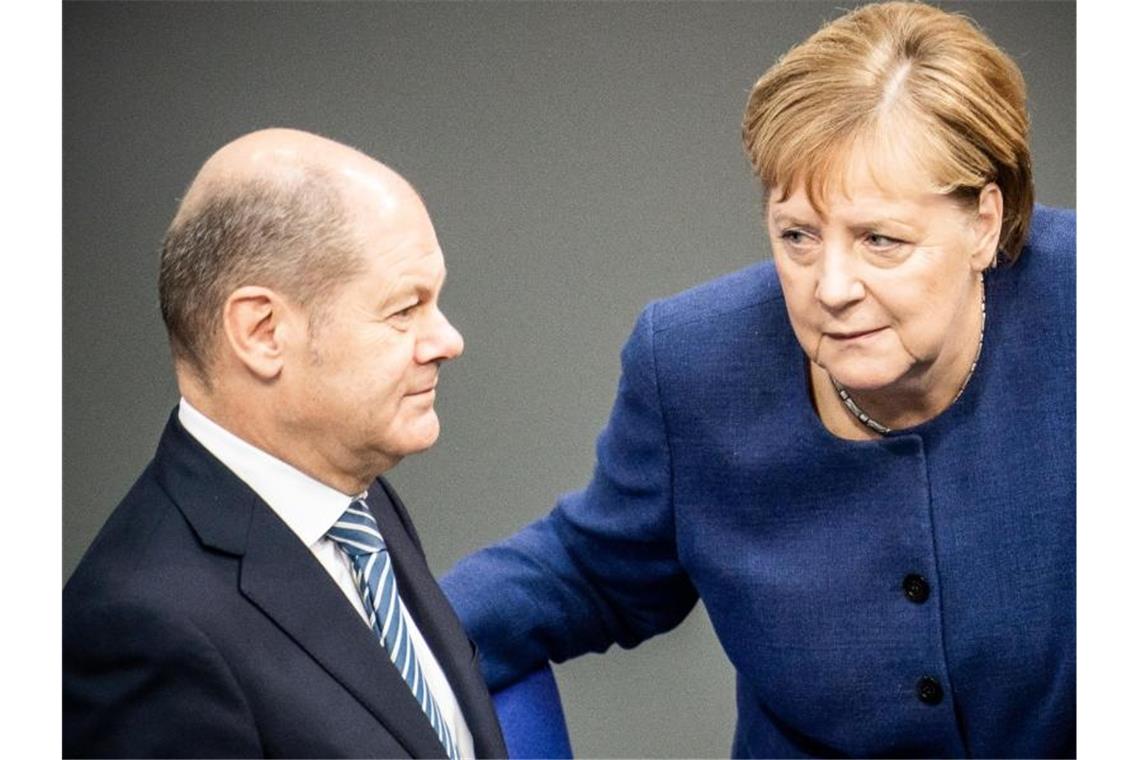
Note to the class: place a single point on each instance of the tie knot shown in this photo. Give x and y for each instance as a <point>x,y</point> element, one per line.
<point>356,532</point>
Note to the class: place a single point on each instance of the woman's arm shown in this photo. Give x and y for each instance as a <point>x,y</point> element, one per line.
<point>602,567</point>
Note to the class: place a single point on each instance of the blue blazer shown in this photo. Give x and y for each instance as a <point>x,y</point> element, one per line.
<point>910,596</point>
<point>198,625</point>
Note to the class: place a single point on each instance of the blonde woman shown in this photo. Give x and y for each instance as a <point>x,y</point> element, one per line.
<point>859,455</point>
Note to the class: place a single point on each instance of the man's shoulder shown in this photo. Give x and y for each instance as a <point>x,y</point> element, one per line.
<point>123,538</point>
<point>755,287</point>
<point>145,553</point>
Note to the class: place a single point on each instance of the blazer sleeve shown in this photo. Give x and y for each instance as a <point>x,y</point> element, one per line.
<point>602,567</point>
<point>143,682</point>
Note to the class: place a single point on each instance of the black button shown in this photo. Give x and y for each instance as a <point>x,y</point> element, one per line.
<point>929,690</point>
<point>916,588</point>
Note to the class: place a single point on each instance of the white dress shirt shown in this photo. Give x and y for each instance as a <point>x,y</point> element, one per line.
<point>310,508</point>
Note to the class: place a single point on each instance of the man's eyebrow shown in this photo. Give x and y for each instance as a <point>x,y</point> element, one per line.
<point>412,286</point>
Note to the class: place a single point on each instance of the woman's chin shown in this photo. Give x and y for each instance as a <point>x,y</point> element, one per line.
<point>864,378</point>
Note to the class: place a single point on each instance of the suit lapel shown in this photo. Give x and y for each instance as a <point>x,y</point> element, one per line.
<point>281,577</point>
<point>426,603</point>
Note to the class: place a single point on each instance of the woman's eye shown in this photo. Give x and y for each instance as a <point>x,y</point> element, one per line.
<point>799,245</point>
<point>881,242</point>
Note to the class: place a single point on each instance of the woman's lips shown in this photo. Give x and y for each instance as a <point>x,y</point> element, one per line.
<point>854,335</point>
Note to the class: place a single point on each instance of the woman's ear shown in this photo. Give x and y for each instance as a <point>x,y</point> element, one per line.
<point>255,321</point>
<point>987,228</point>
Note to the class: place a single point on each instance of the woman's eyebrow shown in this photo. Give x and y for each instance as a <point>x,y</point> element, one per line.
<point>784,216</point>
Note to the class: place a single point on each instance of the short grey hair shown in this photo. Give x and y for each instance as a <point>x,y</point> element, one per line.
<point>293,236</point>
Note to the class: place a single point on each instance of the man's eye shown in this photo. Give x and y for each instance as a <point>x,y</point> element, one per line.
<point>406,311</point>
<point>795,237</point>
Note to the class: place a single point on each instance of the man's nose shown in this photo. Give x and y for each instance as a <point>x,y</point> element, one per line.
<point>440,342</point>
<point>838,283</point>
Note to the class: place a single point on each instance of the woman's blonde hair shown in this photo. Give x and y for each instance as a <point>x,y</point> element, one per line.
<point>914,81</point>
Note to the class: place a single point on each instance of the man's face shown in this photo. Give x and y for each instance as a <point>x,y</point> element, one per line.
<point>363,390</point>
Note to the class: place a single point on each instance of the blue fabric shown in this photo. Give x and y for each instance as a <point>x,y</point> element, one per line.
<point>530,713</point>
<point>715,478</point>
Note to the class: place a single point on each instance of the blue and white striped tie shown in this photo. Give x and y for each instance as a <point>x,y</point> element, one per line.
<point>357,535</point>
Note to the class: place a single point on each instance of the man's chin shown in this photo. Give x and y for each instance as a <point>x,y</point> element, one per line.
<point>424,436</point>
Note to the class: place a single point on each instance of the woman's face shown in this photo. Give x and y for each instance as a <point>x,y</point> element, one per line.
<point>881,288</point>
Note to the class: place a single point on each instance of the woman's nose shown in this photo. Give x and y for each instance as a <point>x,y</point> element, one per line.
<point>839,283</point>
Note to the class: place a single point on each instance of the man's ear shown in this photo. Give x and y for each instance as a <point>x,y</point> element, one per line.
<point>257,326</point>
<point>987,228</point>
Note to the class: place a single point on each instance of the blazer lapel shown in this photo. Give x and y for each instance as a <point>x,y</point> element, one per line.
<point>424,600</point>
<point>281,576</point>
<point>284,580</point>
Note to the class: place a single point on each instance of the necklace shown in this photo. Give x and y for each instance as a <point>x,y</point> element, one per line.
<point>870,422</point>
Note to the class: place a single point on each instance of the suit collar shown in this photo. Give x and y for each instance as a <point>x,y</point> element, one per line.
<point>305,504</point>
<point>216,502</point>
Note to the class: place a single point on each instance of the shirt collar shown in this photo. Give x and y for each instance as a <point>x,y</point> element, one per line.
<point>306,505</point>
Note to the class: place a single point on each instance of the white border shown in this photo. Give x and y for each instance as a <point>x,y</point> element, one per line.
<point>1108,334</point>
<point>30,450</point>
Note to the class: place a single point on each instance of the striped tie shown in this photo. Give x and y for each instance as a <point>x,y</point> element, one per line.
<point>357,535</point>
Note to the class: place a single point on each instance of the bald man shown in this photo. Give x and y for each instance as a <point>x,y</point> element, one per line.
<point>261,591</point>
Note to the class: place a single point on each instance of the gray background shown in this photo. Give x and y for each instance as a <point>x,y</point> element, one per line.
<point>578,160</point>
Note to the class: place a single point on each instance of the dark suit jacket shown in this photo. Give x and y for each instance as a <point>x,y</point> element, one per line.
<point>198,624</point>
